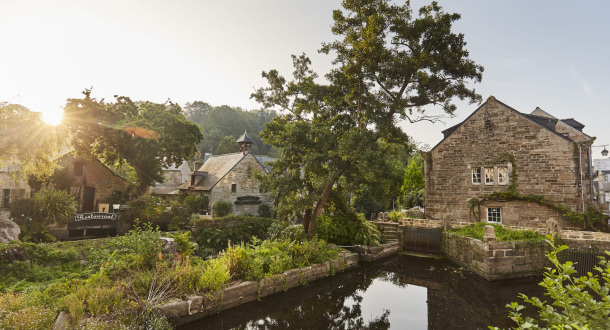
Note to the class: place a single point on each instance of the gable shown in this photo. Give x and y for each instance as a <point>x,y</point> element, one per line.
<point>492,108</point>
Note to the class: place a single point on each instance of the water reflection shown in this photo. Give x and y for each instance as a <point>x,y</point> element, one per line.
<point>401,292</point>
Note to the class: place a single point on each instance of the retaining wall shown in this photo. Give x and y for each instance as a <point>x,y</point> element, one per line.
<point>495,260</point>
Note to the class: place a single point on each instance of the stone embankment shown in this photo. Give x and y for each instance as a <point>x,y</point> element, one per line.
<point>196,307</point>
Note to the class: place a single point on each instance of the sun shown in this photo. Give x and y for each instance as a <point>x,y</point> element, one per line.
<point>53,117</point>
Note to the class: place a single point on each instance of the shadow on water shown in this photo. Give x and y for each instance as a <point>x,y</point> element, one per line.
<point>401,292</point>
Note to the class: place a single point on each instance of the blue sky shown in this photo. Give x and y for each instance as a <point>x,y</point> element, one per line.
<point>553,55</point>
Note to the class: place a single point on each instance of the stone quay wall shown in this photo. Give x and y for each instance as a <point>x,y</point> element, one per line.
<point>496,260</point>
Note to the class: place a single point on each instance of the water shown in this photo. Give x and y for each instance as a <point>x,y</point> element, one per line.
<point>401,292</point>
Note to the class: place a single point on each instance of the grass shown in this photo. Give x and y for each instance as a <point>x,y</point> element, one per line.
<point>477,231</point>
<point>124,277</point>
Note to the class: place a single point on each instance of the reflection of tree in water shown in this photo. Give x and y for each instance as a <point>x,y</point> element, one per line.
<point>337,309</point>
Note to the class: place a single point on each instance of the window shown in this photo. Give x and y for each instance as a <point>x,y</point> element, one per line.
<point>476,175</point>
<point>234,188</point>
<point>78,168</point>
<point>489,175</point>
<point>494,215</point>
<point>502,175</point>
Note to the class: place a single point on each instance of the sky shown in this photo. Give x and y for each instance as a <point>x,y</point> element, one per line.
<point>547,54</point>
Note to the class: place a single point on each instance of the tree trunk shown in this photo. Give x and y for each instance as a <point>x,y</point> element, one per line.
<point>320,205</point>
<point>307,220</point>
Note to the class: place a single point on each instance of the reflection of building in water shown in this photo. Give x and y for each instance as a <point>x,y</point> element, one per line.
<point>455,300</point>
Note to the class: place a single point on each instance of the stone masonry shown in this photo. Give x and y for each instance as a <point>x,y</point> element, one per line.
<point>547,163</point>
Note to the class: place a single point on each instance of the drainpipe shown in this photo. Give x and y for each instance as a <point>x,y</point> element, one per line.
<point>582,187</point>
<point>590,151</point>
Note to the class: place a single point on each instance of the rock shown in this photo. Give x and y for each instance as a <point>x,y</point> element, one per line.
<point>9,231</point>
<point>62,321</point>
<point>169,245</point>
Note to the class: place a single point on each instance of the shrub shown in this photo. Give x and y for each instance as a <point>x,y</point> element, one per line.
<point>477,231</point>
<point>395,216</point>
<point>265,210</point>
<point>146,209</point>
<point>348,228</point>
<point>55,205</point>
<point>196,203</point>
<point>211,240</point>
<point>576,302</point>
<point>222,209</point>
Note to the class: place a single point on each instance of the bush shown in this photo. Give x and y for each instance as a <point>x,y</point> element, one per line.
<point>265,210</point>
<point>146,209</point>
<point>477,231</point>
<point>576,302</point>
<point>55,205</point>
<point>222,209</point>
<point>240,229</point>
<point>196,203</point>
<point>348,228</point>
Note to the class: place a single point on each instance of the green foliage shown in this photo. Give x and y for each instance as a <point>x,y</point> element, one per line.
<point>389,66</point>
<point>265,258</point>
<point>594,218</point>
<point>212,239</point>
<point>145,208</point>
<point>184,240</point>
<point>27,143</point>
<point>575,302</point>
<point>147,136</point>
<point>138,249</point>
<point>395,215</point>
<point>222,125</point>
<point>347,228</point>
<point>55,205</point>
<point>196,203</point>
<point>16,312</point>
<point>413,186</point>
<point>222,209</point>
<point>477,231</point>
<point>265,210</point>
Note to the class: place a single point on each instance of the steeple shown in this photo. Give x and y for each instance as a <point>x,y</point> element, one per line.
<point>245,141</point>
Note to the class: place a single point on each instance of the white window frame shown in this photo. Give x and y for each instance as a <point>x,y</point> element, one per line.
<point>505,177</point>
<point>480,175</point>
<point>494,215</point>
<point>489,179</point>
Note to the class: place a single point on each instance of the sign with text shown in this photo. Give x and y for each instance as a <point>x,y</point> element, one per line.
<point>95,216</point>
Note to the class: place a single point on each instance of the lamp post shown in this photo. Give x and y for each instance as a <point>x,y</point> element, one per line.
<point>604,152</point>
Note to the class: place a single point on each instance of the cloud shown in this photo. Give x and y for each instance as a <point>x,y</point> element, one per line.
<point>586,87</point>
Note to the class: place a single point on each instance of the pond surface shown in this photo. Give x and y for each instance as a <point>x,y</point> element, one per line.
<point>400,292</point>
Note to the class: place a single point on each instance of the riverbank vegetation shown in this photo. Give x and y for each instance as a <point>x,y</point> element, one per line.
<point>577,301</point>
<point>477,231</point>
<point>118,283</point>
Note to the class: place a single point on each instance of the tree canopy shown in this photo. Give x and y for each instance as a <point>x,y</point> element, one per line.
<point>27,144</point>
<point>222,125</point>
<point>388,66</point>
<point>147,136</point>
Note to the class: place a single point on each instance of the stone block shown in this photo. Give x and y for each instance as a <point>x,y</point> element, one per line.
<point>175,309</point>
<point>195,303</point>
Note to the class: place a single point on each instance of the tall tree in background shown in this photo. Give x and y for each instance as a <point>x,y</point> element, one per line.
<point>413,183</point>
<point>147,136</point>
<point>222,125</point>
<point>27,144</point>
<point>388,67</point>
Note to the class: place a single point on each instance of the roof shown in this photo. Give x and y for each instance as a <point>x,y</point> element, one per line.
<point>538,116</point>
<point>216,168</point>
<point>264,160</point>
<point>244,138</point>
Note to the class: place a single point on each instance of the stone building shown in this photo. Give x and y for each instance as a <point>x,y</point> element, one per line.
<point>12,186</point>
<point>174,176</point>
<point>92,183</point>
<point>231,177</point>
<point>498,149</point>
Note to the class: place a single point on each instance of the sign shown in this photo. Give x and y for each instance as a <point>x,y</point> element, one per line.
<point>95,216</point>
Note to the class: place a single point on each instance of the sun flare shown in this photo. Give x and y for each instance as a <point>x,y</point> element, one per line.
<point>53,117</point>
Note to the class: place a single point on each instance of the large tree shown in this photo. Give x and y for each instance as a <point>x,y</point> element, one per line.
<point>27,144</point>
<point>389,66</point>
<point>147,136</point>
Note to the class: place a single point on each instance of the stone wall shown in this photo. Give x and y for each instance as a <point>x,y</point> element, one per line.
<point>495,260</point>
<point>372,253</point>
<point>195,307</point>
<point>243,175</point>
<point>586,240</point>
<point>545,162</point>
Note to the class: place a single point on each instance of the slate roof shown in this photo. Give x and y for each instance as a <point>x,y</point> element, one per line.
<point>216,168</point>
<point>244,138</point>
<point>537,116</point>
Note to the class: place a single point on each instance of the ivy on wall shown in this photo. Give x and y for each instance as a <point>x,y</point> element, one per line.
<point>593,217</point>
